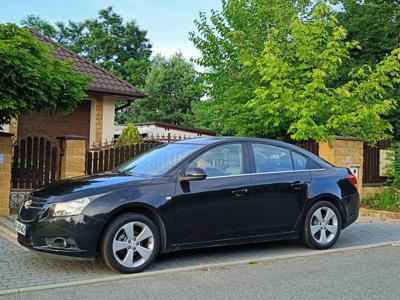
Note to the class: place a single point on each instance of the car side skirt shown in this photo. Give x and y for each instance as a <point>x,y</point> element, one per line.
<point>236,241</point>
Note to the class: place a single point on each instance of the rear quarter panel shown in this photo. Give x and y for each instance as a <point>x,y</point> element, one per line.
<point>332,185</point>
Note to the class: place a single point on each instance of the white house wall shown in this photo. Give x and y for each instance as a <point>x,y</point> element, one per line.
<point>108,119</point>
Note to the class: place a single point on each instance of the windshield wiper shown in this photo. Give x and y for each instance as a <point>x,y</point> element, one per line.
<point>125,172</point>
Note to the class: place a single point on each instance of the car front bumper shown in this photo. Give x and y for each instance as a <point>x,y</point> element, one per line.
<point>73,237</point>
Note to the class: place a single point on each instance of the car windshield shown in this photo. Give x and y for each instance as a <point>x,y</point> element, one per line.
<point>158,160</point>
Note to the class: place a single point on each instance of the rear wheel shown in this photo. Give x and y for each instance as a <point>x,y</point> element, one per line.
<point>130,243</point>
<point>322,225</point>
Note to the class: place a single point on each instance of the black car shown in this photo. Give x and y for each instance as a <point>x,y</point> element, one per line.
<point>190,194</point>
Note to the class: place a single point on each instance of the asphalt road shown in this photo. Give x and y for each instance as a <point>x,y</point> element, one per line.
<point>359,274</point>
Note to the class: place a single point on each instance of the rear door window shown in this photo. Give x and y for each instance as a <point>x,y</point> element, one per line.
<point>300,162</point>
<point>268,158</point>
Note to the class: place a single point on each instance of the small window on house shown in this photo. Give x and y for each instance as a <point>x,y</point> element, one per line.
<point>270,158</point>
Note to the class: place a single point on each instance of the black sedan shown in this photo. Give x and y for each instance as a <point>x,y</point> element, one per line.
<point>190,194</point>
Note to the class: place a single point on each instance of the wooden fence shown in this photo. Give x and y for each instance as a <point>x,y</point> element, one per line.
<point>310,146</point>
<point>35,163</point>
<point>108,156</point>
<point>371,163</point>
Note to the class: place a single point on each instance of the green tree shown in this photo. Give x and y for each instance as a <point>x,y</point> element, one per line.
<point>31,79</point>
<point>120,47</point>
<point>291,89</point>
<point>129,136</point>
<point>226,40</point>
<point>299,91</point>
<point>375,24</point>
<point>172,86</point>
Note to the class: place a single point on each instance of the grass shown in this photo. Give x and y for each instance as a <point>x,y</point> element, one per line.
<point>388,200</point>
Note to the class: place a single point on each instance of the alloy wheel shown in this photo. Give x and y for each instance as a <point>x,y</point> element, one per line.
<point>133,244</point>
<point>324,225</point>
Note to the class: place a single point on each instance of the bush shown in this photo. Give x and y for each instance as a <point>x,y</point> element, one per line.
<point>393,169</point>
<point>129,136</point>
<point>389,200</point>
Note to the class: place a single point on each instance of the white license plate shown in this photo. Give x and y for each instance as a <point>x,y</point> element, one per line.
<point>20,228</point>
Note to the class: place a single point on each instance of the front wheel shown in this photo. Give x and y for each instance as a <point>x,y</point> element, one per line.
<point>130,243</point>
<point>322,225</point>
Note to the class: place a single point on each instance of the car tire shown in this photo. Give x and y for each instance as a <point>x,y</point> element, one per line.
<point>322,225</point>
<point>123,247</point>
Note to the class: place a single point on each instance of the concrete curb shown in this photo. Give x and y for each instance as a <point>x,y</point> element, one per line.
<point>197,268</point>
<point>365,212</point>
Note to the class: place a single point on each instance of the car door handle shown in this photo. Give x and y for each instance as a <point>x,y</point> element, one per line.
<point>297,185</point>
<point>240,193</point>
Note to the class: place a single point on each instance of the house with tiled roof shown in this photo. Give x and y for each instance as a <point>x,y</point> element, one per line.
<point>93,118</point>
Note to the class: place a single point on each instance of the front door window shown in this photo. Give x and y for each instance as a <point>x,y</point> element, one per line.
<point>225,160</point>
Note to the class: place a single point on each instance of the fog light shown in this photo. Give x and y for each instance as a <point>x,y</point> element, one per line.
<point>57,243</point>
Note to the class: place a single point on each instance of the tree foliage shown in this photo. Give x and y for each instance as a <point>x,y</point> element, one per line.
<point>172,86</point>
<point>120,47</point>
<point>31,79</point>
<point>129,136</point>
<point>292,87</point>
<point>375,24</point>
<point>226,40</point>
<point>298,89</point>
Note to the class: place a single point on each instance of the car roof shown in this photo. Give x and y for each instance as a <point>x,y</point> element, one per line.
<point>220,139</point>
<point>213,140</point>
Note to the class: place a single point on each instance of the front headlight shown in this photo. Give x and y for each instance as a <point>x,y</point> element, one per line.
<point>68,208</point>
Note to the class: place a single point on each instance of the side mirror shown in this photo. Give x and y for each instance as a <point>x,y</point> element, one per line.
<point>193,174</point>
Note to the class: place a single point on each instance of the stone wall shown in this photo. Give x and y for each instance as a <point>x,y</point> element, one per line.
<point>346,152</point>
<point>5,172</point>
<point>369,191</point>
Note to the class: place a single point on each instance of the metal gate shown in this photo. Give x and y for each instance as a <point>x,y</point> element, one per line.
<point>35,164</point>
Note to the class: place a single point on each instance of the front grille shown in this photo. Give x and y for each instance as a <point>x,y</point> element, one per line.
<point>30,214</point>
<point>37,203</point>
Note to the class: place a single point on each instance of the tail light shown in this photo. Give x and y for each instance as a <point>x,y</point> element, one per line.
<point>352,178</point>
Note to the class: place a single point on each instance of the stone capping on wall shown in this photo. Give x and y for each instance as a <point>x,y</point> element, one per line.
<point>6,134</point>
<point>348,138</point>
<point>374,184</point>
<point>73,137</point>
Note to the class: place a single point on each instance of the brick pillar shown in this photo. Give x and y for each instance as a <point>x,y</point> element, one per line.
<point>99,121</point>
<point>5,172</point>
<point>14,126</point>
<point>73,151</point>
<point>346,152</point>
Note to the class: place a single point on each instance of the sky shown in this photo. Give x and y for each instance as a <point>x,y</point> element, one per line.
<point>167,22</point>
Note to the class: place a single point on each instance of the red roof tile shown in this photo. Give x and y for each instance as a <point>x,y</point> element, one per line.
<point>102,80</point>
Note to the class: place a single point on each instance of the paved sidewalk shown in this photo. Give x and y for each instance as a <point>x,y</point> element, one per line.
<point>21,268</point>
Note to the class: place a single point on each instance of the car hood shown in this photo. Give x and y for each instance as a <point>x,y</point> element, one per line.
<point>87,186</point>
